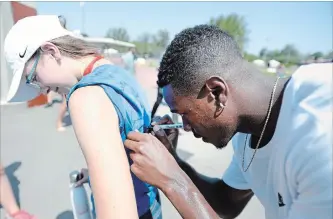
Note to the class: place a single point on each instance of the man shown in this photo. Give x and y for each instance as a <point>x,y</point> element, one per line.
<point>129,59</point>
<point>281,130</point>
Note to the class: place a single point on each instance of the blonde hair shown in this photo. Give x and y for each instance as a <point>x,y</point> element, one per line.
<point>75,48</point>
<point>72,46</point>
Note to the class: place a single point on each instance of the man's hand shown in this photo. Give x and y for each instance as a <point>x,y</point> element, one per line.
<point>152,162</point>
<point>170,134</point>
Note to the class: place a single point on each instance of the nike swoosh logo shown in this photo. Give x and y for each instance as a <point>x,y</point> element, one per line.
<point>23,53</point>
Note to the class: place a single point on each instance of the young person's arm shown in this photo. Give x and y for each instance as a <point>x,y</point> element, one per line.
<point>95,122</point>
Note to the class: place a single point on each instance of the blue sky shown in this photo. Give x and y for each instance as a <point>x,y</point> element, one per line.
<point>307,25</point>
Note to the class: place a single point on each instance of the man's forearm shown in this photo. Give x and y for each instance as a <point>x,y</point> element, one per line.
<point>203,182</point>
<point>213,190</point>
<point>187,199</point>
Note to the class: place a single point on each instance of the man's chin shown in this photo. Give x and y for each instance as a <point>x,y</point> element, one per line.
<point>217,144</point>
<point>220,146</point>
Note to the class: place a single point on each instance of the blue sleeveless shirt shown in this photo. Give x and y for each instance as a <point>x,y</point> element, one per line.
<point>133,112</point>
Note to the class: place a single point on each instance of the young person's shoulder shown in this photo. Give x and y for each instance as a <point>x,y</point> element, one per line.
<point>109,70</point>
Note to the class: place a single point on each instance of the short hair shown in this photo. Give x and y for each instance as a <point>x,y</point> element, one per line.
<point>196,54</point>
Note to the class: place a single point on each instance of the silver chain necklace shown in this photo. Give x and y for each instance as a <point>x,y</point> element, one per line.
<point>263,129</point>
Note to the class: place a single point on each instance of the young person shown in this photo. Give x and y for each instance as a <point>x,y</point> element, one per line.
<point>105,103</point>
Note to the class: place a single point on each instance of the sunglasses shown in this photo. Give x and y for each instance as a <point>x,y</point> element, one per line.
<point>31,78</point>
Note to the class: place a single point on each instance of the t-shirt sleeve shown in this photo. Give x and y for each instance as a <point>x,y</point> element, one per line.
<point>233,176</point>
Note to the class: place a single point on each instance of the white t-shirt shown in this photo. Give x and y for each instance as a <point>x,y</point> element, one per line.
<point>292,174</point>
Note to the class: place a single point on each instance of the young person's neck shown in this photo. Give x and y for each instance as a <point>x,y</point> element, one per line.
<point>81,64</point>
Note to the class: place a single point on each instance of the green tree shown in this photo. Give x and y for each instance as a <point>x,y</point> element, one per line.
<point>145,40</point>
<point>250,57</point>
<point>118,33</point>
<point>273,54</point>
<point>329,55</point>
<point>235,25</point>
<point>317,55</point>
<point>289,50</point>
<point>263,53</point>
<point>161,39</point>
<point>289,54</point>
<point>152,44</point>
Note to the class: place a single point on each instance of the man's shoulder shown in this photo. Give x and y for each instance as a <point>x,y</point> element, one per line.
<point>310,89</point>
<point>307,125</point>
<point>312,75</point>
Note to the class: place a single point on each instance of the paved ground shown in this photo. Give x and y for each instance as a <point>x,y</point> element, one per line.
<point>38,159</point>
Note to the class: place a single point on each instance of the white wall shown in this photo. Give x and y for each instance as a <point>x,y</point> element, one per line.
<point>6,22</point>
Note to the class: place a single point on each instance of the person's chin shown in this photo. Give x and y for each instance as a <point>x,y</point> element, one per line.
<point>220,144</point>
<point>217,144</point>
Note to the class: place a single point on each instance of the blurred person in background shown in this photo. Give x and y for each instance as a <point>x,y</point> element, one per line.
<point>61,115</point>
<point>105,103</point>
<point>281,70</point>
<point>129,60</point>
<point>62,109</point>
<point>7,199</point>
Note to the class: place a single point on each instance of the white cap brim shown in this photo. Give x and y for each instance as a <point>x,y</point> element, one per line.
<point>19,91</point>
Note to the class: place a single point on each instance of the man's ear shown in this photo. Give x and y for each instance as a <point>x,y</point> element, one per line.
<point>51,49</point>
<point>218,89</point>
